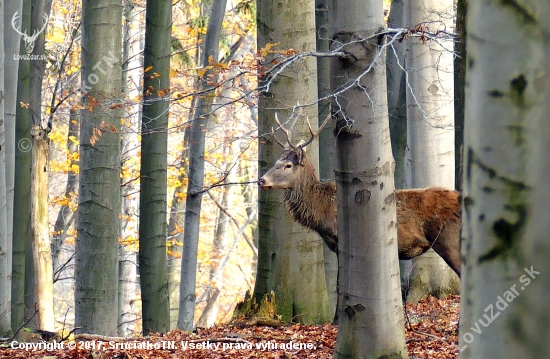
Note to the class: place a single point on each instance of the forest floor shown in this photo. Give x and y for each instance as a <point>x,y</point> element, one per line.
<point>431,332</point>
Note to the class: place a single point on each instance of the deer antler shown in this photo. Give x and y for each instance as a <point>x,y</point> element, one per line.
<point>288,133</point>
<point>315,134</point>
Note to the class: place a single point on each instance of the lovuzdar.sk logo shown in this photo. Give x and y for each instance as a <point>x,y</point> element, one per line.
<point>28,39</point>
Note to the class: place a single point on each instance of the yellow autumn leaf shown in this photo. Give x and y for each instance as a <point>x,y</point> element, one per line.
<point>201,72</point>
<point>173,73</point>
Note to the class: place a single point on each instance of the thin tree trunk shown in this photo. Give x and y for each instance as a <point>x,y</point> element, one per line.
<point>131,80</point>
<point>251,200</point>
<point>175,239</point>
<point>5,271</point>
<point>154,151</point>
<point>397,113</point>
<point>430,133</point>
<point>96,287</point>
<point>11,66</point>
<point>65,215</point>
<point>505,204</point>
<point>397,98</point>
<point>370,320</point>
<point>327,146</point>
<point>21,203</point>
<point>459,88</point>
<point>193,202</point>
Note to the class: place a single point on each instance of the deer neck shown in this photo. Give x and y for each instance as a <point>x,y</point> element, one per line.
<point>302,201</point>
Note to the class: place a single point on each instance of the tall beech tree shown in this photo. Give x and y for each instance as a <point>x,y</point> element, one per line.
<point>203,106</point>
<point>21,200</point>
<point>11,65</point>
<point>505,205</point>
<point>96,286</point>
<point>5,282</point>
<point>154,150</point>
<point>290,260</point>
<point>327,148</point>
<point>370,322</point>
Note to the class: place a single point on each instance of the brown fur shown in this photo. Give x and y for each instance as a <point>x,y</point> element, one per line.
<point>426,218</point>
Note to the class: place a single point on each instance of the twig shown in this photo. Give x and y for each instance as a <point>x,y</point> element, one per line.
<point>224,210</point>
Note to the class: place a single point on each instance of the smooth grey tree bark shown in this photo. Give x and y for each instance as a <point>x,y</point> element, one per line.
<point>397,94</point>
<point>132,75</point>
<point>397,113</point>
<point>175,238</point>
<point>154,151</point>
<point>531,312</point>
<point>505,205</point>
<point>370,322</point>
<point>5,271</point>
<point>459,88</point>
<point>327,145</point>
<point>430,132</point>
<point>203,105</point>
<point>21,201</point>
<point>96,285</point>
<point>290,260</point>
<point>11,66</point>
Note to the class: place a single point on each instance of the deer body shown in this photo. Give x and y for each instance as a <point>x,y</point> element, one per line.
<point>426,218</point>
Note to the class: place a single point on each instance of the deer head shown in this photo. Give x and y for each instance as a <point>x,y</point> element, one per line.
<point>29,40</point>
<point>290,168</point>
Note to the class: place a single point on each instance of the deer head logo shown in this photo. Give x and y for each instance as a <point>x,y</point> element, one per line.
<point>29,40</point>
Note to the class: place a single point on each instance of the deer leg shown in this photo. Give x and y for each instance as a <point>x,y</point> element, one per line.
<point>447,245</point>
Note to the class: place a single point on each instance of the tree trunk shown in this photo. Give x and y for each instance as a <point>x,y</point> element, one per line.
<point>39,226</point>
<point>66,216</point>
<point>397,113</point>
<point>193,203</point>
<point>459,87</point>
<point>290,258</point>
<point>96,287</point>
<point>430,133</point>
<point>21,202</point>
<point>327,147</point>
<point>175,238</point>
<point>531,312</point>
<point>370,321</point>
<point>397,95</point>
<point>11,66</point>
<point>5,271</point>
<point>131,87</point>
<point>154,151</point>
<point>505,198</point>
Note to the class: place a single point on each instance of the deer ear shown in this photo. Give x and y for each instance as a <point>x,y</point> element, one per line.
<point>301,154</point>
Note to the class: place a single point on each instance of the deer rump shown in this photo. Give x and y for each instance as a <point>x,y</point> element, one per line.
<point>426,218</point>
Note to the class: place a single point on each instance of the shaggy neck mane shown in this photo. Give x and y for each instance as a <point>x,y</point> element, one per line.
<point>307,198</point>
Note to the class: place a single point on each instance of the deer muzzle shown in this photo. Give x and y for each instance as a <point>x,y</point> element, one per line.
<point>263,183</point>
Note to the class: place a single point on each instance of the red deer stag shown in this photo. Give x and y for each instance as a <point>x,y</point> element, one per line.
<point>426,217</point>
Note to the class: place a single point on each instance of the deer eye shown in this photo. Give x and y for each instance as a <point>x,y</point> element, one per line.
<point>288,166</point>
